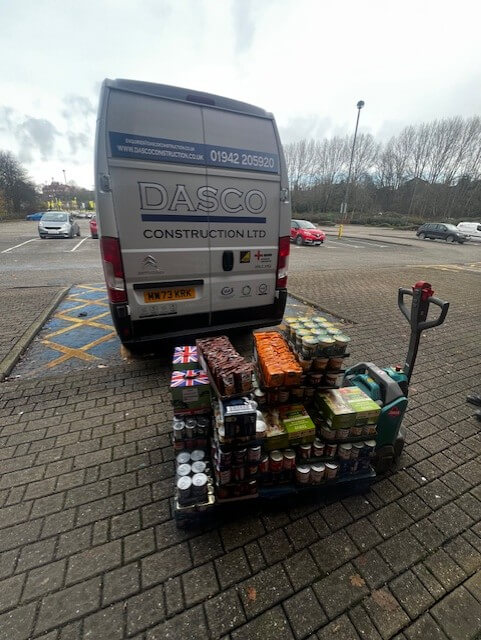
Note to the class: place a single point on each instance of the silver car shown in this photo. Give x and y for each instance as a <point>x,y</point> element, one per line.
<point>58,224</point>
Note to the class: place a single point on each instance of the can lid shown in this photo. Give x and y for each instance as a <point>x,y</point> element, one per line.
<point>184,469</point>
<point>184,483</point>
<point>303,468</point>
<point>276,456</point>
<point>358,445</point>
<point>318,443</point>
<point>197,454</point>
<point>331,465</point>
<point>347,446</point>
<point>203,422</point>
<point>198,467</point>
<point>290,454</point>
<point>179,426</point>
<point>199,480</point>
<point>183,457</point>
<point>370,443</point>
<point>255,448</point>
<point>318,467</point>
<point>306,446</point>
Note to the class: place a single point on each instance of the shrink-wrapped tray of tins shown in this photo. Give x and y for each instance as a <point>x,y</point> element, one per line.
<point>276,362</point>
<point>319,345</point>
<point>348,408</point>
<point>235,471</point>
<point>230,374</point>
<point>194,487</point>
<point>191,432</point>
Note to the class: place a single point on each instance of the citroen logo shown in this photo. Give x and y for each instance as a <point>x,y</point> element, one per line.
<point>149,261</point>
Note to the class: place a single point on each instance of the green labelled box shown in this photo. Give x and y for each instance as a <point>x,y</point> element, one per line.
<point>347,407</point>
<point>367,410</point>
<point>298,424</point>
<point>276,436</point>
<point>190,391</point>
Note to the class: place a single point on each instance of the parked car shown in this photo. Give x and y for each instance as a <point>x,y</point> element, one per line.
<point>304,232</point>
<point>471,229</point>
<point>35,216</point>
<point>93,227</point>
<point>441,231</point>
<point>58,224</point>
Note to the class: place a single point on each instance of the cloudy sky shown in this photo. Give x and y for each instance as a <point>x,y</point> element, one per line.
<point>307,61</point>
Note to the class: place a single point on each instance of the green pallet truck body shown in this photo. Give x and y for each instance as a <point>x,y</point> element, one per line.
<point>389,386</point>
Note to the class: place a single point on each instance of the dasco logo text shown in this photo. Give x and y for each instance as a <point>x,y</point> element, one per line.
<point>156,197</point>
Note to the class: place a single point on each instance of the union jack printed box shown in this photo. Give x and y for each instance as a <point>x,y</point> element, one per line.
<point>190,391</point>
<point>185,358</point>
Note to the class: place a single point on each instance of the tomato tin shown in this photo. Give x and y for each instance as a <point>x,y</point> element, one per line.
<point>183,458</point>
<point>345,451</point>
<point>330,450</point>
<point>199,466</point>
<point>305,451</point>
<point>254,454</point>
<point>318,448</point>
<point>318,471</point>
<point>197,454</point>
<point>264,464</point>
<point>275,461</point>
<point>356,431</point>
<point>331,470</point>
<point>238,473</point>
<point>179,430</point>
<point>303,473</point>
<point>356,450</point>
<point>289,459</point>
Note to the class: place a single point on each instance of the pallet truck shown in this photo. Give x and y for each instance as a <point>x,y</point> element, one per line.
<point>389,387</point>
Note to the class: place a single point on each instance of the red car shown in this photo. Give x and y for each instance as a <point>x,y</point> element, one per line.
<point>304,232</point>
<point>93,227</point>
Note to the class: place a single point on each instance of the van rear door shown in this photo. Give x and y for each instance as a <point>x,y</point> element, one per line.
<point>164,246</point>
<point>243,170</point>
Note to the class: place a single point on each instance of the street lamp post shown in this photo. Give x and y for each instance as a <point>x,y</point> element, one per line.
<point>359,106</point>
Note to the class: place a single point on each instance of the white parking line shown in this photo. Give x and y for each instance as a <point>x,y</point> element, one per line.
<point>348,244</point>
<point>19,245</point>
<point>78,245</point>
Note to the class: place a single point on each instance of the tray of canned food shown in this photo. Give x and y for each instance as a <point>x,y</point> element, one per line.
<point>229,373</point>
<point>307,485</point>
<point>237,423</point>
<point>193,478</point>
<point>191,432</point>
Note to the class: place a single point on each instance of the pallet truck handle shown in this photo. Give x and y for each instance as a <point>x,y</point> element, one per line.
<point>444,306</point>
<point>401,304</point>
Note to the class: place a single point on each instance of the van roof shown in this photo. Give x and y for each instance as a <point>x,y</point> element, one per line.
<point>186,95</point>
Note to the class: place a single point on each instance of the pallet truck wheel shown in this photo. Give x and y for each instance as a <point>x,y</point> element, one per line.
<point>399,444</point>
<point>384,458</point>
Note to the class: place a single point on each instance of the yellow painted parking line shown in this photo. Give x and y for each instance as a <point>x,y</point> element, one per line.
<point>69,352</point>
<point>89,287</point>
<point>97,303</point>
<point>90,322</point>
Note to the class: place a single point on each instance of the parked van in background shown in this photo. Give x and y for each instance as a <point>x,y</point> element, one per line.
<point>471,229</point>
<point>193,211</point>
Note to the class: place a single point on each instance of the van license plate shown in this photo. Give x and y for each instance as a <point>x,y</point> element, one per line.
<point>165,295</point>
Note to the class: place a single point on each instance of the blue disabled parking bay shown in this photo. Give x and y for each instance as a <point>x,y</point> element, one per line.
<point>80,335</point>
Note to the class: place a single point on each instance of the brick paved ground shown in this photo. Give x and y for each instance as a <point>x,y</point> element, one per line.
<point>88,547</point>
<point>20,307</point>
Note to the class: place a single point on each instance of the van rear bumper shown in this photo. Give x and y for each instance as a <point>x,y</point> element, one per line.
<point>172,327</point>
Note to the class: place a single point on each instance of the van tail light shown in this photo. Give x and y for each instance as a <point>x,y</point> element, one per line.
<point>282,262</point>
<point>113,269</point>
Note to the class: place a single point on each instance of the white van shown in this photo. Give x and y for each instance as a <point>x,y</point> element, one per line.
<point>471,229</point>
<point>193,211</point>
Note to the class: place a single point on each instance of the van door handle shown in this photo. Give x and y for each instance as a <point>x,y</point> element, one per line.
<point>228,260</point>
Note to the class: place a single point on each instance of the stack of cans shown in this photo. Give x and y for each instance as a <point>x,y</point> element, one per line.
<point>192,477</point>
<point>190,432</point>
